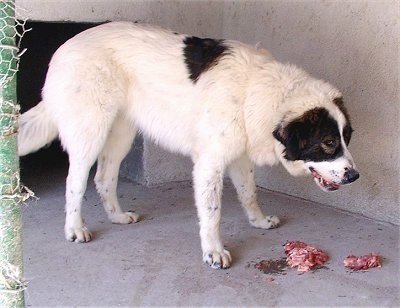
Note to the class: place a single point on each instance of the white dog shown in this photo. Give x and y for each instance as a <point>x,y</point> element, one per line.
<point>227,105</point>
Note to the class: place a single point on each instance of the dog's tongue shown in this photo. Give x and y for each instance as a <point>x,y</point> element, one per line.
<point>324,183</point>
<point>315,174</point>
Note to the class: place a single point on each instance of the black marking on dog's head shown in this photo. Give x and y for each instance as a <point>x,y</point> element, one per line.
<point>202,54</point>
<point>314,137</point>
<point>347,130</point>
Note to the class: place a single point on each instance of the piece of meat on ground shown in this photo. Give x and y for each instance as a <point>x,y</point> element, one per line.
<point>362,262</point>
<point>304,256</point>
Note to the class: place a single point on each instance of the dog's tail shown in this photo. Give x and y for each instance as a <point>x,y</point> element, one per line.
<point>36,129</point>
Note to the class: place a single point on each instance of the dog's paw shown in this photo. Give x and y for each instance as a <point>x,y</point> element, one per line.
<point>269,222</point>
<point>218,259</point>
<point>78,235</point>
<point>124,218</point>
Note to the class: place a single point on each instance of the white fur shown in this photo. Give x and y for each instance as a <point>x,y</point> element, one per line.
<point>109,82</point>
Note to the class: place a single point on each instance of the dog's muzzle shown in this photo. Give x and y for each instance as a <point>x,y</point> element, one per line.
<point>329,184</point>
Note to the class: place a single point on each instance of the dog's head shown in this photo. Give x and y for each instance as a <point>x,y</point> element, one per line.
<point>315,143</point>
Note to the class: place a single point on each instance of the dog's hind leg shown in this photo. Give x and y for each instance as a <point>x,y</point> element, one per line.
<point>78,173</point>
<point>118,144</point>
<point>241,173</point>
<point>83,138</point>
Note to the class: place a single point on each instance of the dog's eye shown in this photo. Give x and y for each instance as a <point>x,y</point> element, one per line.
<point>330,143</point>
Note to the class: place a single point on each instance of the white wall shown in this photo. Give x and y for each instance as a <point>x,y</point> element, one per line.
<point>352,44</point>
<point>355,46</point>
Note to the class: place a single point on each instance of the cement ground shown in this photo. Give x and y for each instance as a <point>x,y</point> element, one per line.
<point>157,261</point>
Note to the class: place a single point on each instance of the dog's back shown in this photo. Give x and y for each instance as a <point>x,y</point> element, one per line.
<point>145,74</point>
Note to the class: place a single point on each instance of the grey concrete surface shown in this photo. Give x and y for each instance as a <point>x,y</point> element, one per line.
<point>157,262</point>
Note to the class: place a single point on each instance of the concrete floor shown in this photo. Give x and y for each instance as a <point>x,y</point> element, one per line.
<point>158,260</point>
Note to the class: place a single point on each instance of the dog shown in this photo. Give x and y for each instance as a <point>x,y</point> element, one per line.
<point>227,105</point>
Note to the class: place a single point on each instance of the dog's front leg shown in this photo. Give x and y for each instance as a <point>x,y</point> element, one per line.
<point>241,172</point>
<point>208,182</point>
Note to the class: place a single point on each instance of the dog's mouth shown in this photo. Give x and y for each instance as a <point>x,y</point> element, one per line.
<point>323,183</point>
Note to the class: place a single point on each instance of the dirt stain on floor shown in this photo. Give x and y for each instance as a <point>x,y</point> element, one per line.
<point>272,266</point>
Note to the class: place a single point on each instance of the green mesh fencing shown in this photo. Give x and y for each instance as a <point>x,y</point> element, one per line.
<point>12,284</point>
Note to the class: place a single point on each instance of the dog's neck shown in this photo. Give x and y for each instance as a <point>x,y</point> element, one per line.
<point>283,97</point>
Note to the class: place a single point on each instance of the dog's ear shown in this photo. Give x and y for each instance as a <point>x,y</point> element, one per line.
<point>280,133</point>
<point>293,136</point>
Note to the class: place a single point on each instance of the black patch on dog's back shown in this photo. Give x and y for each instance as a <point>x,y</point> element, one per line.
<point>202,54</point>
<point>314,136</point>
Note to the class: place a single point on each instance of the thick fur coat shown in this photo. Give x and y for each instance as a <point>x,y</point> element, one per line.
<point>227,105</point>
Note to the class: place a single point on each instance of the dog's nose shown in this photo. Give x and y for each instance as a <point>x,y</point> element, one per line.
<point>350,176</point>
